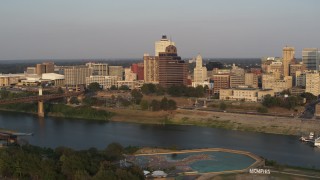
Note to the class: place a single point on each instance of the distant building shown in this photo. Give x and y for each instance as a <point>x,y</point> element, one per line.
<point>300,79</point>
<point>116,71</point>
<point>317,110</point>
<point>57,79</point>
<point>76,75</point>
<point>244,93</point>
<point>251,80</point>
<point>172,70</point>
<point>160,46</point>
<point>129,75</point>
<point>130,84</point>
<point>151,69</point>
<point>105,81</point>
<point>31,70</point>
<point>100,69</point>
<point>288,57</point>
<point>311,58</point>
<point>220,81</point>
<point>237,80</point>
<point>271,81</point>
<point>138,68</point>
<point>46,67</point>
<point>313,83</point>
<point>294,68</point>
<point>297,91</point>
<point>200,72</point>
<point>9,79</point>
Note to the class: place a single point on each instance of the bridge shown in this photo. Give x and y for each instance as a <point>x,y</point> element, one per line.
<point>40,99</point>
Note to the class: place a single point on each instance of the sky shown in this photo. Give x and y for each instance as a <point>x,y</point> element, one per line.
<point>110,29</point>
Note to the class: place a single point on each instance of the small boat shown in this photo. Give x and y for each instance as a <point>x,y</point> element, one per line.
<point>317,142</point>
<point>310,138</point>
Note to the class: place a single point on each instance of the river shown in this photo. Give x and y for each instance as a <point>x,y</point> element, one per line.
<point>83,134</point>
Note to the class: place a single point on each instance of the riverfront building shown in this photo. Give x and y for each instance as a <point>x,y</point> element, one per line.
<point>244,93</point>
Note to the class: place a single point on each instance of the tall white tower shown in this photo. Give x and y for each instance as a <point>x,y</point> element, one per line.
<point>160,46</point>
<point>200,73</point>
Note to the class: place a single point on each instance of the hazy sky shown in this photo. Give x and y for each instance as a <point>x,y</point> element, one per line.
<point>72,29</point>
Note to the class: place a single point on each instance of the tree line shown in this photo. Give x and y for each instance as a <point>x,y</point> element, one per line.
<point>175,90</point>
<point>31,162</point>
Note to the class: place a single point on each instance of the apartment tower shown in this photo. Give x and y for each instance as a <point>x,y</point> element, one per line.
<point>288,57</point>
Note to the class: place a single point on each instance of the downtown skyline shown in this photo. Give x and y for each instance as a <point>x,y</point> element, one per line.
<point>106,30</point>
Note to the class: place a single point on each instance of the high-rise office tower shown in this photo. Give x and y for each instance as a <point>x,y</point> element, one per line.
<point>172,70</point>
<point>160,46</point>
<point>200,72</point>
<point>311,58</point>
<point>288,57</point>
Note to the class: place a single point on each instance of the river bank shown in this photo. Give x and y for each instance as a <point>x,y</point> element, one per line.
<point>67,111</point>
<point>224,120</point>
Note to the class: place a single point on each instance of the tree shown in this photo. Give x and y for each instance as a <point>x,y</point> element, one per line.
<point>172,105</point>
<point>164,104</point>
<point>90,101</point>
<point>4,94</point>
<point>223,106</point>
<point>309,97</point>
<point>124,87</point>
<point>60,90</point>
<point>155,105</point>
<point>136,96</point>
<point>114,151</point>
<point>94,87</point>
<point>74,100</point>
<point>124,102</point>
<point>148,88</point>
<point>160,90</point>
<point>113,87</point>
<point>200,91</point>
<point>262,109</point>
<point>144,104</point>
<point>177,91</point>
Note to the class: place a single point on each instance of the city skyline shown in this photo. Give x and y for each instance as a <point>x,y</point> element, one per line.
<point>104,29</point>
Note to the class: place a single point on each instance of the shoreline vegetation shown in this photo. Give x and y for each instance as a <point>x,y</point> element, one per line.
<point>61,111</point>
<point>222,120</point>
